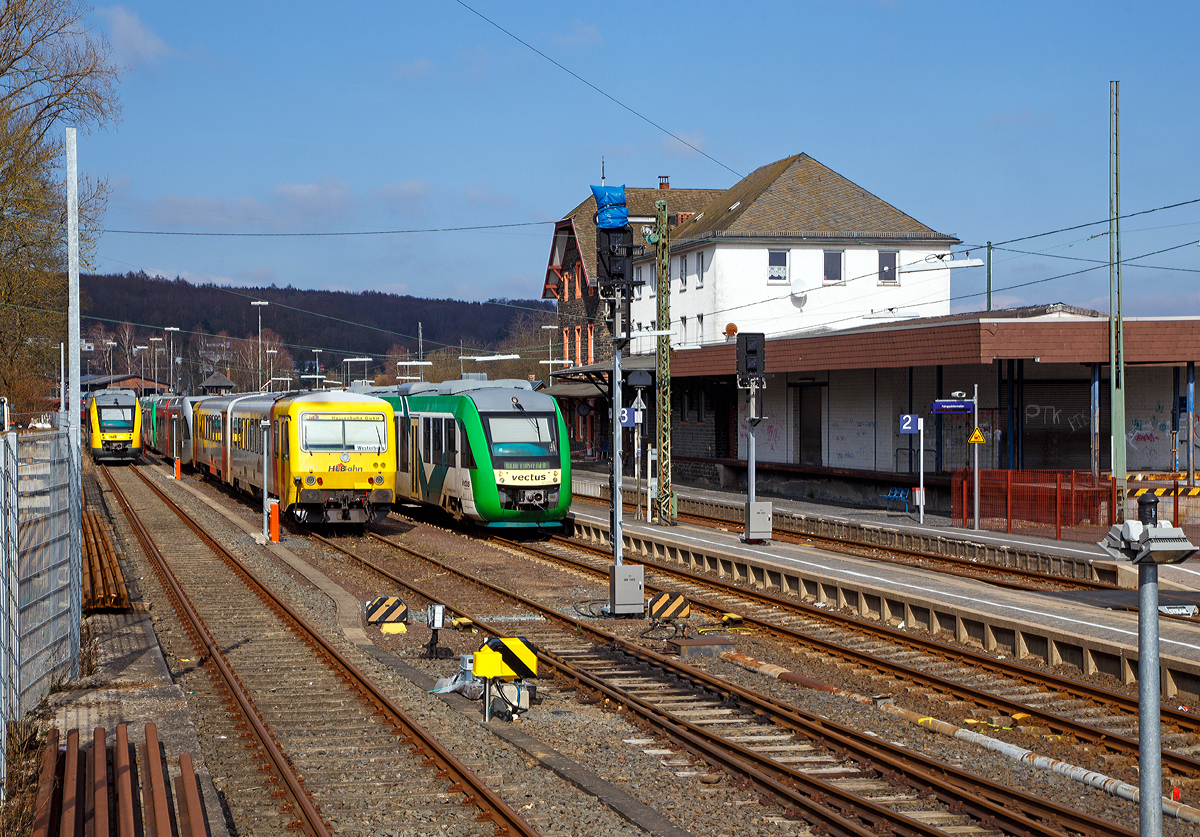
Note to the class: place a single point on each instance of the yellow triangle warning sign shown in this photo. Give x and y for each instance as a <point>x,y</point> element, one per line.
<point>976,438</point>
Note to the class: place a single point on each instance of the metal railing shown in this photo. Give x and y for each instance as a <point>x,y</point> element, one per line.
<point>40,570</point>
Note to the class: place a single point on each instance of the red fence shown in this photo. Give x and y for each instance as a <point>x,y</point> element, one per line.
<point>1055,504</point>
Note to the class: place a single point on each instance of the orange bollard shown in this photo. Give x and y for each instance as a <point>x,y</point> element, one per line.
<point>178,469</point>
<point>274,521</point>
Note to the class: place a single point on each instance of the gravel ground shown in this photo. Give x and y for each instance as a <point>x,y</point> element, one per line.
<point>599,739</point>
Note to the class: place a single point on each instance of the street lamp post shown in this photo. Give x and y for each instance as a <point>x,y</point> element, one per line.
<point>141,354</point>
<point>271,357</point>
<point>316,377</point>
<point>420,364</point>
<point>258,303</point>
<point>348,360</point>
<point>154,364</point>
<point>171,358</point>
<point>110,344</point>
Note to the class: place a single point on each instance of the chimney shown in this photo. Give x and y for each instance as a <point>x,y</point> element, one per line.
<point>664,181</point>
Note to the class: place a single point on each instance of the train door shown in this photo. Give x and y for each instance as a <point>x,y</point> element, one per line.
<point>414,458</point>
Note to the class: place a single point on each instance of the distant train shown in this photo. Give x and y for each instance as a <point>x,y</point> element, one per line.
<point>113,429</point>
<point>492,452</point>
<point>167,425</point>
<point>330,457</point>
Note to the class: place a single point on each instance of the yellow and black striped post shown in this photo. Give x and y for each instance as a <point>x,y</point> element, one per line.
<point>386,609</point>
<point>669,606</point>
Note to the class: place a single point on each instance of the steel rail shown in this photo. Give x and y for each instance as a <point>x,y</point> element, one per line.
<point>1076,689</point>
<point>311,822</point>
<point>491,805</point>
<point>986,800</point>
<point>959,567</point>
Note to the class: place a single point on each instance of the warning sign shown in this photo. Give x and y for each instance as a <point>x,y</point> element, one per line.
<point>976,438</point>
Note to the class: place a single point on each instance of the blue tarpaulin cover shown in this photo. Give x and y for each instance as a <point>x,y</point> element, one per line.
<point>611,212</point>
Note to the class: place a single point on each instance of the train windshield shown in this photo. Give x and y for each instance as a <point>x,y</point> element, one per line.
<point>528,439</point>
<point>115,419</point>
<point>337,432</point>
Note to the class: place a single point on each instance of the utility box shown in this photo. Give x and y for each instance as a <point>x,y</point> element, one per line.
<point>758,521</point>
<point>626,590</point>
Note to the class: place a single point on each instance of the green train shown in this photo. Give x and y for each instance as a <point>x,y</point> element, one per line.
<point>491,452</point>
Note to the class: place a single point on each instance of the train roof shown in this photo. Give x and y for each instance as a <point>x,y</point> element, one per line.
<point>487,395</point>
<point>321,396</point>
<point>111,397</point>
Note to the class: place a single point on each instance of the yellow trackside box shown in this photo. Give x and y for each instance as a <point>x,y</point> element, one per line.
<point>509,658</point>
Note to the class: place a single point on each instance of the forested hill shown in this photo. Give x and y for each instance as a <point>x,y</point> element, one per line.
<point>366,322</point>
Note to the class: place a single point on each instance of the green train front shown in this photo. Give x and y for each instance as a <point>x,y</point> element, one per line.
<point>493,452</point>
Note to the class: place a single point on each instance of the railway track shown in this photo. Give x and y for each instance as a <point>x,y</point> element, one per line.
<point>1007,577</point>
<point>321,745</point>
<point>1100,717</point>
<point>834,778</point>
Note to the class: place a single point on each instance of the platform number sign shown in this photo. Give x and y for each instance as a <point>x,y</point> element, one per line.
<point>909,424</point>
<point>628,415</point>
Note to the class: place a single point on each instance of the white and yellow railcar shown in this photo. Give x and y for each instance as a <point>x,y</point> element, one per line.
<point>329,457</point>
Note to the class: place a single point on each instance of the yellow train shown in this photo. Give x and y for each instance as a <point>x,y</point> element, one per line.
<point>113,429</point>
<point>330,457</point>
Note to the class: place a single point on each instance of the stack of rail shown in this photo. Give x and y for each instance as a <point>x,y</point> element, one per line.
<point>92,791</point>
<point>103,583</point>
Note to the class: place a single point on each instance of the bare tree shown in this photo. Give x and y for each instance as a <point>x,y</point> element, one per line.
<point>52,72</point>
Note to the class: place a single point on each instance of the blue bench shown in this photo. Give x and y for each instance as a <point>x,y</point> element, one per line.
<point>900,495</point>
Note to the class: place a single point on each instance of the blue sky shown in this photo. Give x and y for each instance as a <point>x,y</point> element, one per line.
<point>988,121</point>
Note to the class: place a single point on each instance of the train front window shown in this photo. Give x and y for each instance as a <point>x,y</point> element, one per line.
<point>116,419</point>
<point>337,432</point>
<point>522,441</point>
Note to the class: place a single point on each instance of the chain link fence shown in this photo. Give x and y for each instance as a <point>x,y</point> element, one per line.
<point>40,583</point>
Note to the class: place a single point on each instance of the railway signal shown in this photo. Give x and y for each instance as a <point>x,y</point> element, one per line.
<point>751,369</point>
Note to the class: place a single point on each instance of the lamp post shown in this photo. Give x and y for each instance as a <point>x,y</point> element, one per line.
<point>316,377</point>
<point>348,360</point>
<point>258,303</point>
<point>418,363</point>
<point>140,350</point>
<point>110,344</point>
<point>271,357</point>
<point>154,364</point>
<point>171,358</point>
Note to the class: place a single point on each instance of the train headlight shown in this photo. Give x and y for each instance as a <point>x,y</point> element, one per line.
<point>379,479</point>
<point>310,480</point>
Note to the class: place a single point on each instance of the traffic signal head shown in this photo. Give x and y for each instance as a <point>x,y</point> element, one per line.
<point>613,248</point>
<point>751,354</point>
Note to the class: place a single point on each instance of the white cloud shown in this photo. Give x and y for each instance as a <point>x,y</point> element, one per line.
<point>407,198</point>
<point>415,69</point>
<point>481,194</point>
<point>675,148</point>
<point>202,211</point>
<point>133,41</point>
<point>580,35</point>
<point>305,201</point>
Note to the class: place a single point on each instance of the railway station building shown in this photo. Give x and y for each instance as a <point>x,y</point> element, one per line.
<point>853,296</point>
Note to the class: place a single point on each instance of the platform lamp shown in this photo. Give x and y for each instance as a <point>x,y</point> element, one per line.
<point>1147,544</point>
<point>258,303</point>
<point>154,363</point>
<point>171,358</point>
<point>141,355</point>
<point>348,360</point>
<point>420,364</point>
<point>271,360</point>
<point>109,344</point>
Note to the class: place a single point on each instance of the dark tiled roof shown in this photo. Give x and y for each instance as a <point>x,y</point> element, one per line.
<point>217,380</point>
<point>640,202</point>
<point>799,197</point>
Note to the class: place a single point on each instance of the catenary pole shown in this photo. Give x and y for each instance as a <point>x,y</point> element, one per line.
<point>662,378</point>
<point>989,276</point>
<point>1116,326</point>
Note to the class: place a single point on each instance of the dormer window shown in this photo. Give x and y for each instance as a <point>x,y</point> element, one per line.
<point>777,266</point>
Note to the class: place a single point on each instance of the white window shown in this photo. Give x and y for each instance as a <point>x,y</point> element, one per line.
<point>683,338</point>
<point>887,267</point>
<point>699,329</point>
<point>637,278</point>
<point>700,270</point>
<point>833,267</point>
<point>777,266</point>
<point>683,273</point>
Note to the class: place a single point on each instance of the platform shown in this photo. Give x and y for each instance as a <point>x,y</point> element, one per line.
<point>1184,577</point>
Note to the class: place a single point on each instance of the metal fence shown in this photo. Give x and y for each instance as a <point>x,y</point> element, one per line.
<point>40,585</point>
<point>1067,505</point>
